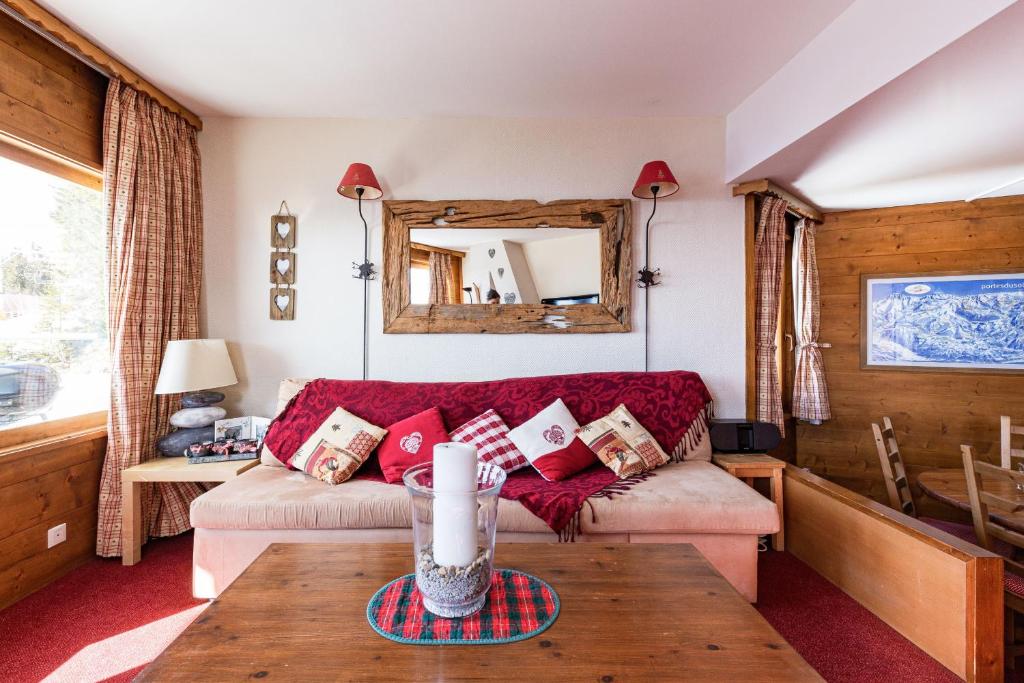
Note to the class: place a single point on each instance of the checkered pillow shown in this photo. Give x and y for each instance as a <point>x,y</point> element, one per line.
<point>489,433</point>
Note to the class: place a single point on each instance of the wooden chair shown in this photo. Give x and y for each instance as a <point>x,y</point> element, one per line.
<point>987,531</point>
<point>1007,430</point>
<point>895,474</point>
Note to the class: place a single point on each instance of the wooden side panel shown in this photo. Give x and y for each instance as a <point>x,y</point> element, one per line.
<point>48,98</point>
<point>933,412</point>
<point>941,593</point>
<point>42,486</point>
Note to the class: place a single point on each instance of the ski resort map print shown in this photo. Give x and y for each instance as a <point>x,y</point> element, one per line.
<point>953,322</point>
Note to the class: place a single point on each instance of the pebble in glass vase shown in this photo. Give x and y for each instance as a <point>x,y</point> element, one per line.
<point>455,511</point>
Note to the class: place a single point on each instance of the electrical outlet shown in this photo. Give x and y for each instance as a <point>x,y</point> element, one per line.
<point>57,534</point>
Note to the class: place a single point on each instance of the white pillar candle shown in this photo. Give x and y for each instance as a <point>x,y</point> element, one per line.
<point>455,505</point>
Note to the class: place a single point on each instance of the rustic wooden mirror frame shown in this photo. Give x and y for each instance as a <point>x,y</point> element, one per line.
<point>612,216</point>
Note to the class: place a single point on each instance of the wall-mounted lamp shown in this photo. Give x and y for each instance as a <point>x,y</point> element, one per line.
<point>656,180</point>
<point>358,183</point>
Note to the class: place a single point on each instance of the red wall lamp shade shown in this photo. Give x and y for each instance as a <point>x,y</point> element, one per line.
<point>654,174</point>
<point>360,176</point>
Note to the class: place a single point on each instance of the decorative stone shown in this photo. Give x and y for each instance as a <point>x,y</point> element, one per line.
<point>176,442</point>
<point>200,399</point>
<point>189,418</point>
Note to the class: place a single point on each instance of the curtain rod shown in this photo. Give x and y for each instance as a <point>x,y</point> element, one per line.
<point>53,40</point>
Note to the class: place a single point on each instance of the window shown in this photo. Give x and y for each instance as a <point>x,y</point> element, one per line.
<point>54,355</point>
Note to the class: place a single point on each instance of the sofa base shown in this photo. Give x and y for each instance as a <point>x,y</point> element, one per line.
<point>220,555</point>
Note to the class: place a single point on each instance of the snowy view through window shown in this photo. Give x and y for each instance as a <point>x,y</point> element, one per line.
<point>53,314</point>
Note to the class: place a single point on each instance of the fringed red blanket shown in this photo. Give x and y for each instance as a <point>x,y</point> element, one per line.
<point>673,406</point>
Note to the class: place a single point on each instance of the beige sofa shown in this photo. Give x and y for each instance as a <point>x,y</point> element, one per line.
<point>685,502</point>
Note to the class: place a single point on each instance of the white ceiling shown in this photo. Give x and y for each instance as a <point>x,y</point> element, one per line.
<point>950,128</point>
<point>427,58</point>
<point>463,238</point>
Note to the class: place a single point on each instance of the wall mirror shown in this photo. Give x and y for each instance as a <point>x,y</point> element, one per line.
<point>507,266</point>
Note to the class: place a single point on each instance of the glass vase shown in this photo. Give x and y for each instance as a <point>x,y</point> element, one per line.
<point>453,540</point>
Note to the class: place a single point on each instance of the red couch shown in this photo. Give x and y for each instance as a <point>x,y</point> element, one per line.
<point>691,501</point>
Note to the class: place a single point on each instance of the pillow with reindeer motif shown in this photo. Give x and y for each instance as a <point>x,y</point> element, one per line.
<point>337,448</point>
<point>622,443</point>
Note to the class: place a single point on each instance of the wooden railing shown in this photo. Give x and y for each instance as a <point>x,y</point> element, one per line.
<point>943,594</point>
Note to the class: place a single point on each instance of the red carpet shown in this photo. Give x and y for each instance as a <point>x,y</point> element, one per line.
<point>105,621</point>
<point>840,639</point>
<point>102,621</point>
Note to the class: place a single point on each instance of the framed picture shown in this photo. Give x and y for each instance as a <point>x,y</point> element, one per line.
<point>236,428</point>
<point>947,321</point>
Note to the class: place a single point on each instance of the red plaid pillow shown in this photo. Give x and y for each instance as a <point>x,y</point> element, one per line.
<point>489,433</point>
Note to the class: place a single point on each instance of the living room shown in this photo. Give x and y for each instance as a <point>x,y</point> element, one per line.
<point>712,311</point>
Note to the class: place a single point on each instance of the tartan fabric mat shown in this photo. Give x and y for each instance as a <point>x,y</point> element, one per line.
<point>519,606</point>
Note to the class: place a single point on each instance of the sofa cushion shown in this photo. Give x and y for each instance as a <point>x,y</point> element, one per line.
<point>548,440</point>
<point>621,443</point>
<point>275,498</point>
<point>684,497</point>
<point>337,448</point>
<point>489,433</point>
<point>411,442</point>
<point>694,497</point>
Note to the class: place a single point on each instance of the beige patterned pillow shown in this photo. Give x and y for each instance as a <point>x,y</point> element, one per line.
<point>337,448</point>
<point>622,444</point>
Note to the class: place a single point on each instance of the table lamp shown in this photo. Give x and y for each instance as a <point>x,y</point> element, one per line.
<point>192,367</point>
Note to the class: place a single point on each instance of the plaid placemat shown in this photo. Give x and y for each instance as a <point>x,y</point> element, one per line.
<point>519,606</point>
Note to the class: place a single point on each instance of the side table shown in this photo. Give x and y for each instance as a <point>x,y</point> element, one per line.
<point>163,469</point>
<point>758,466</point>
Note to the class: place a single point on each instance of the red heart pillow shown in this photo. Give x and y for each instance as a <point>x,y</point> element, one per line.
<point>411,442</point>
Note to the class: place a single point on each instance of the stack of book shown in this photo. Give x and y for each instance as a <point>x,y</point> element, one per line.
<point>221,457</point>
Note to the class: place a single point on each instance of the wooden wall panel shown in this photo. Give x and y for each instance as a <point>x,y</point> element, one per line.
<point>44,484</point>
<point>48,98</point>
<point>933,411</point>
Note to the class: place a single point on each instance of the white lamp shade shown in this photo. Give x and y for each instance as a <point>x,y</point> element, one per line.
<point>195,364</point>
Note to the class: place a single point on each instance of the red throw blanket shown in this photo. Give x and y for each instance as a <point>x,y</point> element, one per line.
<point>673,406</point>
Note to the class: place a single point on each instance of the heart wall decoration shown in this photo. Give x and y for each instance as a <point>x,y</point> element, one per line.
<point>282,268</point>
<point>282,264</point>
<point>282,303</point>
<point>282,231</point>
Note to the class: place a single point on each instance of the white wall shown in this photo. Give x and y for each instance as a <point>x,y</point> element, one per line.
<point>250,165</point>
<point>566,266</point>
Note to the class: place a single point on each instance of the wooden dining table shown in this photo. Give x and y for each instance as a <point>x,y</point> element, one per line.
<point>950,486</point>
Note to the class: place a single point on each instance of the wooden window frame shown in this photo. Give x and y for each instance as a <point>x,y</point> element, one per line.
<point>43,160</point>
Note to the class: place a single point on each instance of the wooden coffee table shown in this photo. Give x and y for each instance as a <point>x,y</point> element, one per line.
<point>651,612</point>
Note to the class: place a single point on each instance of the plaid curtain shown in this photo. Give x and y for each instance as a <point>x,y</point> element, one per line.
<point>151,186</point>
<point>440,278</point>
<point>769,253</point>
<point>810,390</point>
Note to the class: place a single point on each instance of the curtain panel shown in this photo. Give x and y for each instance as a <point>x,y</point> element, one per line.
<point>810,390</point>
<point>769,254</point>
<point>153,202</point>
<point>440,278</point>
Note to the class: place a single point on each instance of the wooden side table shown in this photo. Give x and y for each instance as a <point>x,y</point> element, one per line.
<point>757,466</point>
<point>163,469</point>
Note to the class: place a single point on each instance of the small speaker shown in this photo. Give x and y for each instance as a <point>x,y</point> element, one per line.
<point>743,436</point>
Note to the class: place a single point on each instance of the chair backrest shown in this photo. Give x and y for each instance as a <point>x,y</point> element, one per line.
<point>999,481</point>
<point>896,483</point>
<point>1007,430</point>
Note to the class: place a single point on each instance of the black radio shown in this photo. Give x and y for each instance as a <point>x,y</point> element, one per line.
<point>743,436</point>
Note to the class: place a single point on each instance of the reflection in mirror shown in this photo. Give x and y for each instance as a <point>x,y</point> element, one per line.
<point>560,266</point>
